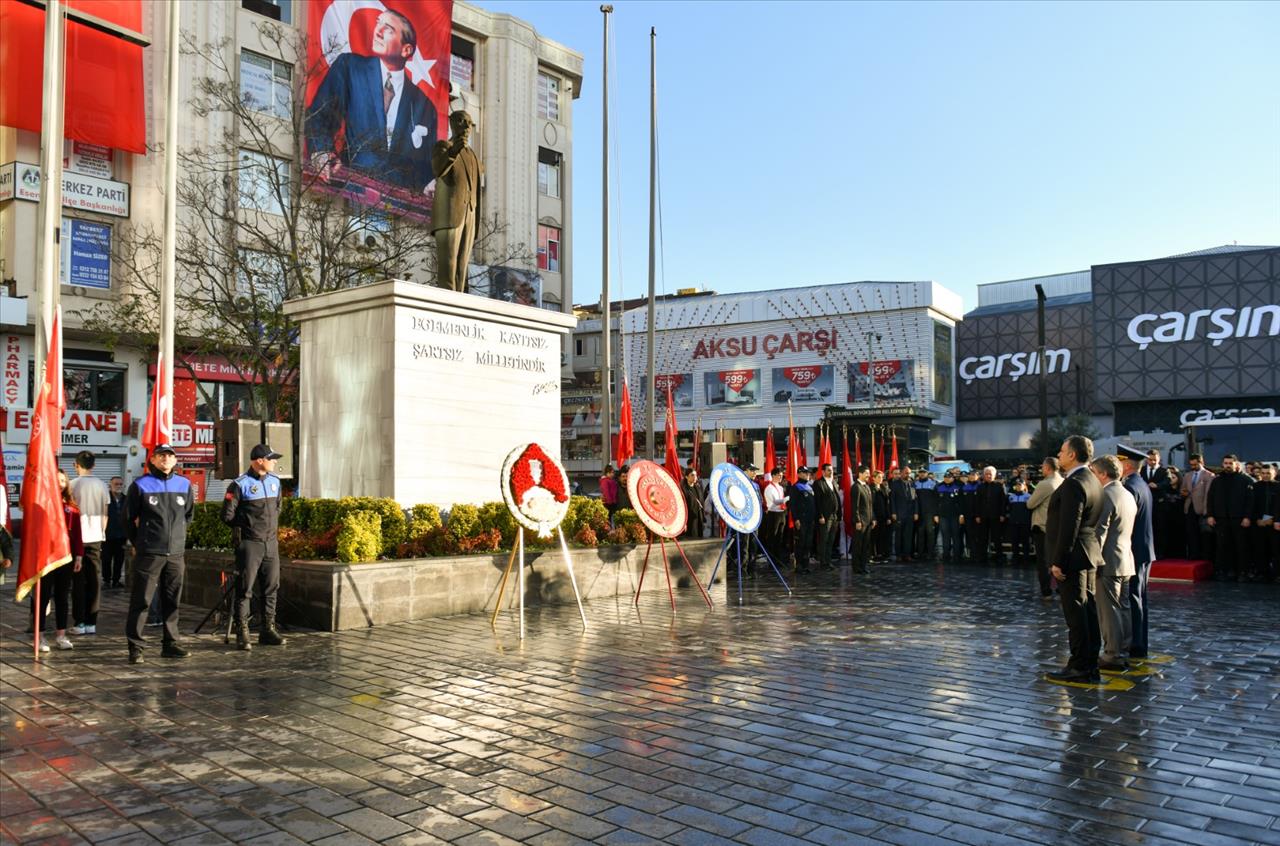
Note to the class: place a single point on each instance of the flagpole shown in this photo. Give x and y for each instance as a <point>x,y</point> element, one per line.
<point>164,378</point>
<point>606,361</point>
<point>653,224</point>
<point>48,290</point>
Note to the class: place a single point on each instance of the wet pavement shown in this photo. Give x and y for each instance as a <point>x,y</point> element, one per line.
<point>904,707</point>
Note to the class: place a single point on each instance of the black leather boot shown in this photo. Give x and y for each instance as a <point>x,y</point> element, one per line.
<point>270,636</point>
<point>242,636</point>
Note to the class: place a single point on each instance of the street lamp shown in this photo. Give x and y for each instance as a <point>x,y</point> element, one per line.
<point>871,368</point>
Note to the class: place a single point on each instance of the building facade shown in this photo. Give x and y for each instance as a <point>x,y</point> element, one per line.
<point>850,356</point>
<point>518,86</point>
<point>1144,348</point>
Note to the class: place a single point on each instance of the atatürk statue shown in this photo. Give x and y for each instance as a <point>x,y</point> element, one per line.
<point>453,216</point>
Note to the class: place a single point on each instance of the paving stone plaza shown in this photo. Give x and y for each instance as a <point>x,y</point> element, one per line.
<point>904,707</point>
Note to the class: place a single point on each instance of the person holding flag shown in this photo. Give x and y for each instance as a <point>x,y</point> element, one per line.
<point>56,584</point>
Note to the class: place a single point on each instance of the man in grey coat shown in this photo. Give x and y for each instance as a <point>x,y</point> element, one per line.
<point>1115,534</point>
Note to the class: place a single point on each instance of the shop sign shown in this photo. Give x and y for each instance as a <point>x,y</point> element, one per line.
<point>86,254</point>
<point>79,428</point>
<point>681,385</point>
<point>1205,415</point>
<point>732,387</point>
<point>892,380</point>
<point>15,369</point>
<point>79,190</point>
<point>194,444</point>
<point>1218,325</point>
<point>88,159</point>
<point>807,383</point>
<point>820,342</point>
<point>1013,365</point>
<point>21,181</point>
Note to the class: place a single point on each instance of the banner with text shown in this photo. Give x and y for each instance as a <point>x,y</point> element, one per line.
<point>731,388</point>
<point>681,389</point>
<point>892,380</point>
<point>807,383</point>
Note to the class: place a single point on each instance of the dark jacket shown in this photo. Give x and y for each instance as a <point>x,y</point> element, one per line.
<point>1144,536</point>
<point>1266,499</point>
<point>802,504</point>
<point>158,508</point>
<point>927,499</point>
<point>116,518</point>
<point>1071,538</point>
<point>692,500</point>
<point>1019,515</point>
<point>861,503</point>
<point>827,498</point>
<point>880,504</point>
<point>969,500</point>
<point>991,502</point>
<point>252,506</point>
<point>1231,497</point>
<point>902,499</point>
<point>948,499</point>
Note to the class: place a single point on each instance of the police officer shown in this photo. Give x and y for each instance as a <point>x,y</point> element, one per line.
<point>252,509</point>
<point>158,508</point>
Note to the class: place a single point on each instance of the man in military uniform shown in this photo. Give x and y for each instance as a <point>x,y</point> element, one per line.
<point>252,509</point>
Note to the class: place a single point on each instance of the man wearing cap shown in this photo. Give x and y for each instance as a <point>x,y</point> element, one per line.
<point>804,511</point>
<point>158,508</point>
<point>1143,545</point>
<point>251,508</point>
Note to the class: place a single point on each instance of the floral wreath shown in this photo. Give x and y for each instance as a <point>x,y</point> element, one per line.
<point>537,502</point>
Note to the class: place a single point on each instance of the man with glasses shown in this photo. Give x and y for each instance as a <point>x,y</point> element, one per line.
<point>252,509</point>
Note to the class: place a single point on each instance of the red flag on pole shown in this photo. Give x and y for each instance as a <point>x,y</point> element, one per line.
<point>769,453</point>
<point>45,545</point>
<point>626,445</point>
<point>672,462</point>
<point>893,459</point>
<point>156,429</point>
<point>793,449</point>
<point>857,447</point>
<point>824,451</point>
<point>846,485</point>
<point>104,101</point>
<point>697,444</point>
<point>874,465</point>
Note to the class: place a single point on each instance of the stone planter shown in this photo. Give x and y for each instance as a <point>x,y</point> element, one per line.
<point>331,596</point>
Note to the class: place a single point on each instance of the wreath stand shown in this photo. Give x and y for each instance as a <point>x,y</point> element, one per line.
<point>517,550</point>
<point>738,547</point>
<point>666,566</point>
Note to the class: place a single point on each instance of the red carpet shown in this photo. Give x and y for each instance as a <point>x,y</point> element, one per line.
<point>1181,570</point>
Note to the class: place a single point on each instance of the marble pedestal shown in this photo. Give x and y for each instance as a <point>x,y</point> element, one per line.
<point>418,393</point>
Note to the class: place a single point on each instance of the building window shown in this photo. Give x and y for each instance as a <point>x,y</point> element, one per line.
<point>548,97</point>
<point>266,84</point>
<point>260,278</point>
<point>549,248</point>
<point>263,183</point>
<point>280,10</point>
<point>93,388</point>
<point>462,63</point>
<point>577,346</point>
<point>548,172</point>
<point>230,399</point>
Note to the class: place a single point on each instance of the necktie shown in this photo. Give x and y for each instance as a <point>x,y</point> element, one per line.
<point>388,94</point>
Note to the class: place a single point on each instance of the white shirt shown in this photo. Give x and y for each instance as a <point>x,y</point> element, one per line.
<point>92,496</point>
<point>397,83</point>
<point>775,499</point>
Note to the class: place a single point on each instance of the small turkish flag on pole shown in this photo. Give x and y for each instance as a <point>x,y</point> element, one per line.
<point>156,430</point>
<point>626,429</point>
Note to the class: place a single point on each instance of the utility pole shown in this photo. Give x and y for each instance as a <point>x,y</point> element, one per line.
<point>606,336</point>
<point>651,405</point>
<point>1044,385</point>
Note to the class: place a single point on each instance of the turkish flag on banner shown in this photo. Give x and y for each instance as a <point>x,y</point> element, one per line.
<point>45,544</point>
<point>335,27</point>
<point>156,430</point>
<point>104,92</point>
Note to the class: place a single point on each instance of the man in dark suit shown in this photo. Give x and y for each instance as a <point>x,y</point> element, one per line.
<point>804,513</point>
<point>1144,548</point>
<point>904,513</point>
<point>863,513</point>
<point>388,125</point>
<point>827,498</point>
<point>1160,483</point>
<point>991,509</point>
<point>1074,555</point>
<point>1230,504</point>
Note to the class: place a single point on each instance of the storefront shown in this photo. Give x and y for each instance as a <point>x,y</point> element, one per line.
<point>855,356</point>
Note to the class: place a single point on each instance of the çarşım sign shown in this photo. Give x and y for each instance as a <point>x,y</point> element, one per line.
<point>982,367</point>
<point>1174,327</point>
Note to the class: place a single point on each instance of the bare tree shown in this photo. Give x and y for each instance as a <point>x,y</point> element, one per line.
<point>256,228</point>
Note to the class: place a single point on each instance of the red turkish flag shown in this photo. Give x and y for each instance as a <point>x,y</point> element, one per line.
<point>626,444</point>
<point>770,453</point>
<point>334,28</point>
<point>45,544</point>
<point>857,448</point>
<point>156,431</point>
<point>104,93</point>
<point>672,462</point>
<point>893,459</point>
<point>793,454</point>
<point>824,450</point>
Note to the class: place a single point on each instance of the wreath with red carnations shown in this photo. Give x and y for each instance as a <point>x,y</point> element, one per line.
<point>535,489</point>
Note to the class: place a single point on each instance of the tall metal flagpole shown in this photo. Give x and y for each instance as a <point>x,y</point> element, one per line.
<point>169,255</point>
<point>48,292</point>
<point>606,360</point>
<point>651,404</point>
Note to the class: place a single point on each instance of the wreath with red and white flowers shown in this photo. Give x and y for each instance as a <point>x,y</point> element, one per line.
<point>535,489</point>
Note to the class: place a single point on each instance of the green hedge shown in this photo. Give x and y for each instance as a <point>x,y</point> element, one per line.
<point>367,528</point>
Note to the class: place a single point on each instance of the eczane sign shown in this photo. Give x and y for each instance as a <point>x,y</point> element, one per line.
<point>79,428</point>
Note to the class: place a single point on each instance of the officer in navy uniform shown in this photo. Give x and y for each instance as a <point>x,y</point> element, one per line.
<point>252,509</point>
<point>158,508</point>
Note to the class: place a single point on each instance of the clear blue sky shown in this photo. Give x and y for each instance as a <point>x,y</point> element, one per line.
<point>812,143</point>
